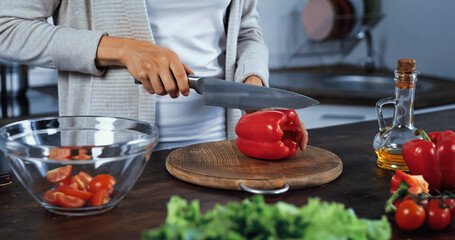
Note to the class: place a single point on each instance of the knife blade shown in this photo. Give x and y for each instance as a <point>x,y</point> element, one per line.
<point>218,92</point>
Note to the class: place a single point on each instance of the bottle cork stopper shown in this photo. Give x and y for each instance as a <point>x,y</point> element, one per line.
<point>406,65</point>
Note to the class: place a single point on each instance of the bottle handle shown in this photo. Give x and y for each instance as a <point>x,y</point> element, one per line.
<point>379,104</point>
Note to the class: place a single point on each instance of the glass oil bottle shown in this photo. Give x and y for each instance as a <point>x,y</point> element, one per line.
<point>388,142</point>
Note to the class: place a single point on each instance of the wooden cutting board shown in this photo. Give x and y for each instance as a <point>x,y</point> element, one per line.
<point>221,165</point>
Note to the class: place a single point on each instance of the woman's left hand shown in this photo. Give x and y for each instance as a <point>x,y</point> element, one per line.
<point>255,80</point>
<point>304,141</point>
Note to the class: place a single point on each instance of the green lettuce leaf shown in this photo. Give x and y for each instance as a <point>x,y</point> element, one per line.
<point>254,219</point>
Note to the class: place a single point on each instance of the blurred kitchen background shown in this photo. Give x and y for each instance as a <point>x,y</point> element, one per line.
<point>340,52</point>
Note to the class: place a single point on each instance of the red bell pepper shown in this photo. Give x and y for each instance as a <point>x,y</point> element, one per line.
<point>269,134</point>
<point>434,158</point>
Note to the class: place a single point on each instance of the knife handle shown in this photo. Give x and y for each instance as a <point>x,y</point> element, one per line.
<point>5,178</point>
<point>192,81</point>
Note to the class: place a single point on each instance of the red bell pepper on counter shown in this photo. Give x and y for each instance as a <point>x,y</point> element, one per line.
<point>269,134</point>
<point>434,158</point>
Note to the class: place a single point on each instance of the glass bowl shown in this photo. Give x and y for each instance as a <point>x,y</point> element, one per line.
<point>93,145</point>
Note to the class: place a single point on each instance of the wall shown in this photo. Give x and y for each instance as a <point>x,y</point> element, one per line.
<point>416,29</point>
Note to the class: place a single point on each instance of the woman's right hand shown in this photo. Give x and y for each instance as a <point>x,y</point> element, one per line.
<point>158,69</point>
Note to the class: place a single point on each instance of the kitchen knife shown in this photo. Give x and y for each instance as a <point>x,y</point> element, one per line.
<point>218,92</point>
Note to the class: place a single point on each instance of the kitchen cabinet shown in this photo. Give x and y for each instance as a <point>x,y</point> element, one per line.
<point>362,186</point>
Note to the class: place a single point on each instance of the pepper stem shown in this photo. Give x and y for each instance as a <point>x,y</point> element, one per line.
<point>399,194</point>
<point>422,133</point>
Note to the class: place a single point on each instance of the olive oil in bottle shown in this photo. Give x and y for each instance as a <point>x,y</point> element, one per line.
<point>388,142</point>
<point>391,158</point>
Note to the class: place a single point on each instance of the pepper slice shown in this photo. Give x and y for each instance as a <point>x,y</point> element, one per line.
<point>433,157</point>
<point>416,183</point>
<point>269,134</point>
<point>403,184</point>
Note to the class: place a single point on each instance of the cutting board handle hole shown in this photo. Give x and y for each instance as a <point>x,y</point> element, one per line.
<point>259,191</point>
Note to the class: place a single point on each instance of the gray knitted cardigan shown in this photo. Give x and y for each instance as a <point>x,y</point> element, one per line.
<point>70,46</point>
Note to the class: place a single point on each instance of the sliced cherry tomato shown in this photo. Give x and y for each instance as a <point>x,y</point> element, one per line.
<point>83,154</point>
<point>66,181</point>
<point>100,197</point>
<point>62,187</point>
<point>50,196</point>
<point>70,201</point>
<point>102,181</point>
<point>437,218</point>
<point>61,154</point>
<point>78,193</point>
<point>81,183</point>
<point>85,177</point>
<point>59,174</point>
<point>409,215</point>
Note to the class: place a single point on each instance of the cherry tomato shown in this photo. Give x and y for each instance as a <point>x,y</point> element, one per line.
<point>58,174</point>
<point>437,218</point>
<point>50,196</point>
<point>398,201</point>
<point>102,181</point>
<point>70,201</point>
<point>409,215</point>
<point>78,193</point>
<point>450,203</point>
<point>100,197</point>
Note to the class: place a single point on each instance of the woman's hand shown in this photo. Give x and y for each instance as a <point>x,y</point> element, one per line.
<point>157,68</point>
<point>304,141</point>
<point>255,80</point>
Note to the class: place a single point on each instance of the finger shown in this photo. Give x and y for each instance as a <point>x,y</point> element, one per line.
<point>145,81</point>
<point>187,69</point>
<point>157,85</point>
<point>169,83</point>
<point>304,142</point>
<point>179,72</point>
<point>254,80</point>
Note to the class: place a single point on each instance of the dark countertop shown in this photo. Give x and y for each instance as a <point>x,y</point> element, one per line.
<point>430,92</point>
<point>362,186</point>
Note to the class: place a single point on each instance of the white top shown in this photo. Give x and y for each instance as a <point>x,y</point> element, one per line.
<point>195,31</point>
